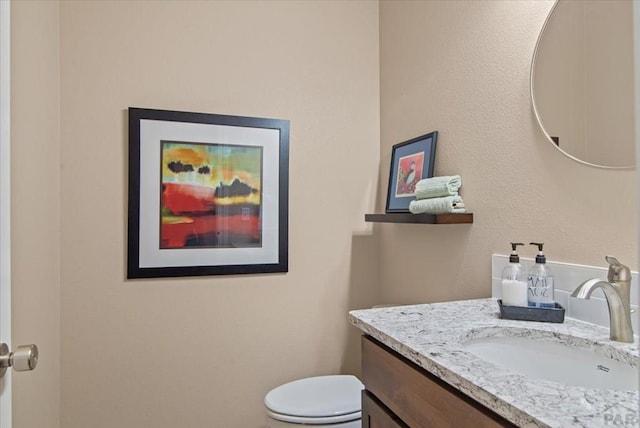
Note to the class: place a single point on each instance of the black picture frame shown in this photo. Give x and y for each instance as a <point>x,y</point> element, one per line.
<point>418,153</point>
<point>188,214</point>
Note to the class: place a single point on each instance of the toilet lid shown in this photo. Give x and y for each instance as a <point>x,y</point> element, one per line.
<point>316,396</point>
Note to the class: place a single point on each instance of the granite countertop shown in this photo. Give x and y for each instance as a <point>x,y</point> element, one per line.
<point>431,335</point>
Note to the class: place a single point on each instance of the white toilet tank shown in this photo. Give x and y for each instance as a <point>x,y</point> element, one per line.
<point>331,401</point>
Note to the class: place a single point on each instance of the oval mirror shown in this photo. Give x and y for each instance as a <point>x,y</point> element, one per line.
<point>582,82</point>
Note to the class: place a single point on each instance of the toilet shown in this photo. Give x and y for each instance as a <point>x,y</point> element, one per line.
<point>322,401</point>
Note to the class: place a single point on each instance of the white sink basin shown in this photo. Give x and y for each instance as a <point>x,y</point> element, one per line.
<point>557,362</point>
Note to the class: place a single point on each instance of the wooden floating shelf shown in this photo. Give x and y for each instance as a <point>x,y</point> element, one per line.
<point>420,218</point>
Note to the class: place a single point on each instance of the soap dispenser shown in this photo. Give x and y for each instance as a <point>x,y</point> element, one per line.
<point>514,280</point>
<point>540,282</point>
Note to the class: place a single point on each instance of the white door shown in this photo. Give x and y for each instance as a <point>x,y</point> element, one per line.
<point>24,357</point>
<point>5,228</point>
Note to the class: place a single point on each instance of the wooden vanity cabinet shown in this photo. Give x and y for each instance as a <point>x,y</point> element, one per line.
<point>400,394</point>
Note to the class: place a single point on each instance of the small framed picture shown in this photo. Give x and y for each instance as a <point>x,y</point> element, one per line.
<point>411,161</point>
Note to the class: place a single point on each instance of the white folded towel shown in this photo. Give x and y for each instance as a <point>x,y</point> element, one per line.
<point>438,186</point>
<point>447,204</point>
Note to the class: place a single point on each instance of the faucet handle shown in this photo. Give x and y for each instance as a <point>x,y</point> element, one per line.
<point>617,271</point>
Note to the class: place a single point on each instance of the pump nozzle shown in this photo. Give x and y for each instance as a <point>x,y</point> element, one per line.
<point>514,245</point>
<point>540,258</point>
<point>539,244</point>
<point>514,258</point>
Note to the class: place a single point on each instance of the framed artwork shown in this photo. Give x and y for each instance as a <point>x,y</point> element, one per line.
<point>411,161</point>
<point>208,194</point>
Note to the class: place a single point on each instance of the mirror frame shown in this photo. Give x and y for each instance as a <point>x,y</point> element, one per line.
<point>535,109</point>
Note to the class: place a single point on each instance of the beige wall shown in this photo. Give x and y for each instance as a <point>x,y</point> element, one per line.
<point>35,203</point>
<point>197,352</point>
<point>462,68</point>
<point>203,351</point>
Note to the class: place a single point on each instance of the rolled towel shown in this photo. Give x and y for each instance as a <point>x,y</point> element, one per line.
<point>437,187</point>
<point>447,204</point>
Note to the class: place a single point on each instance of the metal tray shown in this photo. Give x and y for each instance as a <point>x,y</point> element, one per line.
<point>523,313</point>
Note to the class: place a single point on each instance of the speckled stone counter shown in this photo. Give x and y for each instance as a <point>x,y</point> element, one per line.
<point>431,336</point>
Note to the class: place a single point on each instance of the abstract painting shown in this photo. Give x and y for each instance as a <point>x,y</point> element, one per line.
<point>208,194</point>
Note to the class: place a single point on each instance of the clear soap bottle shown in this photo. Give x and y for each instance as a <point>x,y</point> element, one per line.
<point>514,280</point>
<point>540,282</point>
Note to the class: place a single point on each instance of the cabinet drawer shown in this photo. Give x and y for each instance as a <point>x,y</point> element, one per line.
<point>376,415</point>
<point>416,396</point>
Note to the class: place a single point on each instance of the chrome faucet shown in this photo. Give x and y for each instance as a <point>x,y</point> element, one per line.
<point>617,292</point>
